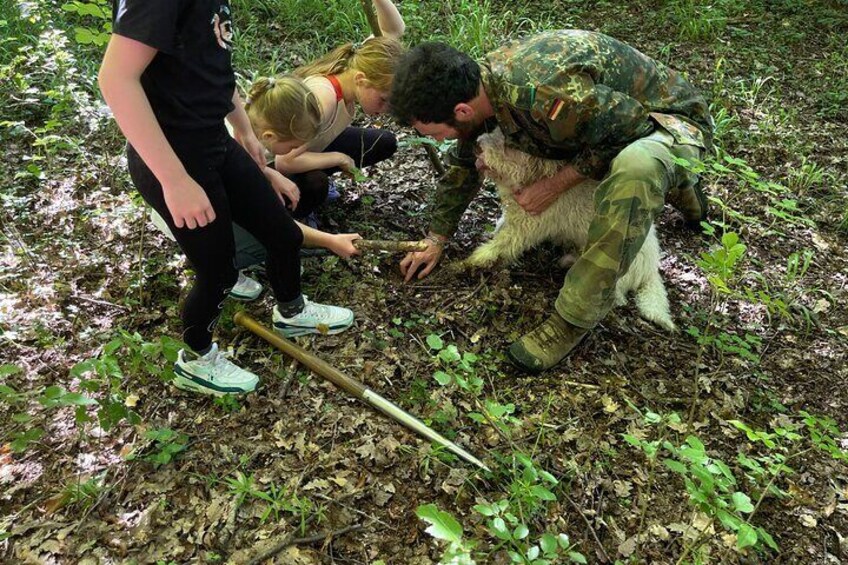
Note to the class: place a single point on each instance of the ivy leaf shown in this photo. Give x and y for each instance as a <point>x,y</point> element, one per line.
<point>442,525</point>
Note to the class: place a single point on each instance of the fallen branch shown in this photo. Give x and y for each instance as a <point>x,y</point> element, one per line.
<point>289,540</point>
<point>387,245</point>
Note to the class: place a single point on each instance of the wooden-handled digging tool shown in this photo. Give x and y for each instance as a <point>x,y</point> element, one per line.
<point>352,387</point>
<point>387,245</point>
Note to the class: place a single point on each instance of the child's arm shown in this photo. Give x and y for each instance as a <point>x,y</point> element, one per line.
<point>389,18</point>
<point>243,131</point>
<point>120,83</point>
<point>339,243</point>
<point>311,161</point>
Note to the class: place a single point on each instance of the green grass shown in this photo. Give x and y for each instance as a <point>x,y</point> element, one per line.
<point>267,42</point>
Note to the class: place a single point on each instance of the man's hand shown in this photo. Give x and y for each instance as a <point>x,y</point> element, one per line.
<point>284,186</point>
<point>342,245</point>
<point>538,197</point>
<point>428,258</point>
<point>188,203</point>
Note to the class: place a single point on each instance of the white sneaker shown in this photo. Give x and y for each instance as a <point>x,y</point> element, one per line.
<point>314,319</point>
<point>245,288</point>
<point>212,373</point>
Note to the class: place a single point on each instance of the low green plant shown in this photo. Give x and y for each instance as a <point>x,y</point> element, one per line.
<point>228,403</point>
<point>711,486</point>
<point>83,494</point>
<point>508,532</point>
<point>163,445</point>
<point>443,526</point>
<point>456,368</point>
<point>278,499</point>
<point>511,522</point>
<point>497,415</point>
<point>785,299</point>
<point>823,432</point>
<point>806,177</point>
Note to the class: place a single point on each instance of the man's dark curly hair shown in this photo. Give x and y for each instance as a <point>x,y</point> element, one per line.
<point>430,80</point>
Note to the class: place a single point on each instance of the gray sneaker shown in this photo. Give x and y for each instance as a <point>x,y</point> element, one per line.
<point>212,374</point>
<point>246,288</point>
<point>313,319</point>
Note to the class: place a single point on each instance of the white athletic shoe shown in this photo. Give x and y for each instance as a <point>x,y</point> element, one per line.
<point>246,288</point>
<point>212,373</point>
<point>314,319</point>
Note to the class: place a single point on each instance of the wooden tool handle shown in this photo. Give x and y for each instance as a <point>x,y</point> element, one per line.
<point>387,245</point>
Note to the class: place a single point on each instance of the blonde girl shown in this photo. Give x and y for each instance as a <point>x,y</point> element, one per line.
<point>309,131</point>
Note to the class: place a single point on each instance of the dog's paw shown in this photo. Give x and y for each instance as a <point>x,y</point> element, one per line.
<point>483,257</point>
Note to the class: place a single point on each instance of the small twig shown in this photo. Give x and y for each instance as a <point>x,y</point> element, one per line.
<point>582,385</point>
<point>101,302</point>
<point>290,379</point>
<point>289,540</point>
<point>588,525</point>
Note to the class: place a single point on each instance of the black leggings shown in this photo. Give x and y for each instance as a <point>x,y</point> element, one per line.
<point>238,192</point>
<point>366,146</point>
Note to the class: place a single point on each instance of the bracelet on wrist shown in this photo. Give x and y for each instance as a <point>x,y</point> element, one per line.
<point>435,240</point>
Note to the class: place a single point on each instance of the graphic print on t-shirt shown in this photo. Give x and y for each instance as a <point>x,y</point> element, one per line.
<point>223,26</point>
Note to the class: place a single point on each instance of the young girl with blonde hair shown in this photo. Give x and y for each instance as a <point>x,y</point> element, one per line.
<point>308,126</point>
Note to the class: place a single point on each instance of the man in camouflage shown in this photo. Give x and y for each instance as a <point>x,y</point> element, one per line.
<point>613,113</point>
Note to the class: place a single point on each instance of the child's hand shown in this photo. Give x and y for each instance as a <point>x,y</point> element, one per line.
<point>284,186</point>
<point>188,204</point>
<point>342,245</point>
<point>345,162</point>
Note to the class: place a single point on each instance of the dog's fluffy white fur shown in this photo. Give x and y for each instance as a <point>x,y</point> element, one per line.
<point>565,222</point>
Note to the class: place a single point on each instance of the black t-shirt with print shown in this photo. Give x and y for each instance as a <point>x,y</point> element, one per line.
<point>190,81</point>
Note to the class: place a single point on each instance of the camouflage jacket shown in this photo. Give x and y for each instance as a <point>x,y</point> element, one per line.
<point>574,95</point>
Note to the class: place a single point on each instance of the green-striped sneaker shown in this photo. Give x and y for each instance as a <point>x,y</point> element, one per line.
<point>212,374</point>
<point>314,319</point>
<point>246,288</point>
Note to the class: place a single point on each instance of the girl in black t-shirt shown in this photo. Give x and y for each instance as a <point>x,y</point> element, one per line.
<point>168,78</point>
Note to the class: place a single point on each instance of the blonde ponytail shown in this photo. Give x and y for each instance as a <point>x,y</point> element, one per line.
<point>376,58</point>
<point>285,106</point>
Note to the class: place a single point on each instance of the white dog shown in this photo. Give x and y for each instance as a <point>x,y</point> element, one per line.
<point>565,222</point>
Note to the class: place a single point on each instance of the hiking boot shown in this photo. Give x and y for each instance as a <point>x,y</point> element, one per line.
<point>690,201</point>
<point>313,319</point>
<point>212,374</point>
<point>547,345</point>
<point>246,288</point>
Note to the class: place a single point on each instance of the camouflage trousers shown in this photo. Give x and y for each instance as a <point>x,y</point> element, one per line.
<point>626,203</point>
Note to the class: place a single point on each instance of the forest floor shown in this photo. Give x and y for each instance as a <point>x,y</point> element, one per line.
<point>151,474</point>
